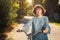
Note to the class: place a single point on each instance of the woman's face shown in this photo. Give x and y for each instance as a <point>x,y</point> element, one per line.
<point>38,11</point>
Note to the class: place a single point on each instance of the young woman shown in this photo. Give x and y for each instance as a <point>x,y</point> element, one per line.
<point>40,24</point>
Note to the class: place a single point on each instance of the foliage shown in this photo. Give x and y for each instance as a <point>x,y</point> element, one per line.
<point>8,14</point>
<point>12,15</point>
<point>43,1</point>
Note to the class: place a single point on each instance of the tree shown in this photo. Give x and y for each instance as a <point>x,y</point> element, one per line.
<point>50,6</point>
<point>8,15</point>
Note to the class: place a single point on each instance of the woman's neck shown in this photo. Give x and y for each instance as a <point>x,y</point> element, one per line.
<point>39,16</point>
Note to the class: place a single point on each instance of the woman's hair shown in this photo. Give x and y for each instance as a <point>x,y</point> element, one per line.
<point>38,6</point>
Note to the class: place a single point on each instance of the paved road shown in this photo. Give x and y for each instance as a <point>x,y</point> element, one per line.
<point>55,33</point>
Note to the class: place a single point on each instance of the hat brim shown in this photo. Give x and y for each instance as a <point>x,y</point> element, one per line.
<point>40,6</point>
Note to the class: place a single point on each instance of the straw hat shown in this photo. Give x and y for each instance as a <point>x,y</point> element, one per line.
<point>40,6</point>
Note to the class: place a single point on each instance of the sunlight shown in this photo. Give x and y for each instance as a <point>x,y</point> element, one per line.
<point>59,2</point>
<point>43,1</point>
<point>16,5</point>
<point>30,1</point>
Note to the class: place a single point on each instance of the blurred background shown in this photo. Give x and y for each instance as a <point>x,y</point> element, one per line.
<point>11,11</point>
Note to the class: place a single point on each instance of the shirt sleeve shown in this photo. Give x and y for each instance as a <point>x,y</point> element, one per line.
<point>47,25</point>
<point>29,23</point>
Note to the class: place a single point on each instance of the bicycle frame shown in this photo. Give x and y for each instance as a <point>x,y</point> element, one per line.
<point>29,36</point>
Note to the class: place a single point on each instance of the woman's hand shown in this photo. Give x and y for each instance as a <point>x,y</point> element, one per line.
<point>45,31</point>
<point>21,29</point>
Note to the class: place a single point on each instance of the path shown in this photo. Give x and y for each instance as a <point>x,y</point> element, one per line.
<point>55,33</point>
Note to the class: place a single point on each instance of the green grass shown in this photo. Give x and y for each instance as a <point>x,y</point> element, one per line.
<point>58,24</point>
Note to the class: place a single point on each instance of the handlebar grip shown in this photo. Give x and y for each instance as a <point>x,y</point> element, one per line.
<point>19,30</point>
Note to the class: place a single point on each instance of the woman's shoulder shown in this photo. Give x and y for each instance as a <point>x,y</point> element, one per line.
<point>45,16</point>
<point>42,17</point>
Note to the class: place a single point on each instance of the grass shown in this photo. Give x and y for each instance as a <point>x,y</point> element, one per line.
<point>57,24</point>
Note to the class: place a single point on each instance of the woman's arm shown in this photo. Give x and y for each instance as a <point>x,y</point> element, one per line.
<point>48,29</point>
<point>26,26</point>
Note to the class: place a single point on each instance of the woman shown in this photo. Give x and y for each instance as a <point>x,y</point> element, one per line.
<point>40,24</point>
